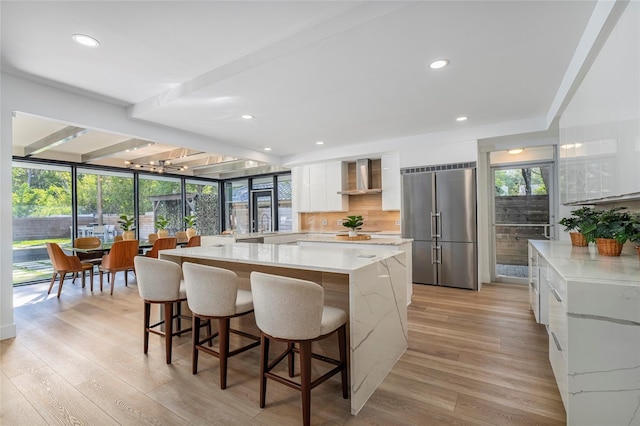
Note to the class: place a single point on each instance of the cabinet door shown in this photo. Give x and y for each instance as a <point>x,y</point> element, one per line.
<point>317,187</point>
<point>335,182</point>
<point>300,188</point>
<point>391,182</point>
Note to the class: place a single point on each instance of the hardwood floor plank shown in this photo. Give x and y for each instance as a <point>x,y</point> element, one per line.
<point>59,402</point>
<point>497,414</point>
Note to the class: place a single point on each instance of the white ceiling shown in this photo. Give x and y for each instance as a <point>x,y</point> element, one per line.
<point>342,72</point>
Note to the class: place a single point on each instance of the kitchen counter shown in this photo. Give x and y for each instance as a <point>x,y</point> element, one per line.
<point>369,284</point>
<point>593,303</point>
<point>373,241</point>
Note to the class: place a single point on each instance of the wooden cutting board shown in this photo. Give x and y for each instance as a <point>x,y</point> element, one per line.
<point>359,237</point>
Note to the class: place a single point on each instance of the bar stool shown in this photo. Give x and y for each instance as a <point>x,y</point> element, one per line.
<point>159,281</point>
<point>212,293</point>
<point>292,311</point>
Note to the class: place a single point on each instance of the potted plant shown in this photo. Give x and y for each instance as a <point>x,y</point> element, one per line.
<point>575,224</point>
<point>161,224</point>
<point>190,223</point>
<point>354,223</point>
<point>634,232</point>
<point>610,230</point>
<point>127,224</point>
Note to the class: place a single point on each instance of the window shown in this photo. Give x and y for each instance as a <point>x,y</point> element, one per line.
<point>41,213</point>
<point>159,196</point>
<point>285,220</point>
<point>202,202</point>
<point>236,206</point>
<point>102,198</point>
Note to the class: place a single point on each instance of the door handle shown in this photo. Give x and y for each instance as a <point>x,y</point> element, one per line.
<point>435,219</point>
<point>546,232</point>
<point>438,254</point>
<point>433,252</point>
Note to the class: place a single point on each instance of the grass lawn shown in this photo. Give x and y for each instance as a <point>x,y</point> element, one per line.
<point>38,243</point>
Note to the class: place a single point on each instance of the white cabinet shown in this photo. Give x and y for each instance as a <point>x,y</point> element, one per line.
<point>390,182</point>
<point>594,331</point>
<point>316,187</point>
<point>538,288</point>
<point>600,127</point>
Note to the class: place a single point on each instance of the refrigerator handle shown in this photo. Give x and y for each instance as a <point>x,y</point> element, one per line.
<point>435,224</point>
<point>438,254</point>
<point>433,254</point>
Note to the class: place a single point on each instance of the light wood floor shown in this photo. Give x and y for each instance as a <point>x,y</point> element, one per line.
<point>473,358</point>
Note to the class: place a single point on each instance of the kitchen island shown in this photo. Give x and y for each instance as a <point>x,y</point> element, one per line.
<point>370,286</point>
<point>593,305</point>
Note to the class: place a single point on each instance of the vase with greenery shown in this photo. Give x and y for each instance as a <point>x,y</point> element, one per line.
<point>354,223</point>
<point>574,224</point>
<point>611,229</point>
<point>161,225</point>
<point>127,224</point>
<point>190,223</point>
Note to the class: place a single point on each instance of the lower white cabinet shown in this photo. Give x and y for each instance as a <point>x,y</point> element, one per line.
<point>593,305</point>
<point>538,288</point>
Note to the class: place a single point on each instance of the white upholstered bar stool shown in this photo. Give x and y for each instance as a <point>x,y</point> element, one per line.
<point>213,294</point>
<point>160,281</point>
<point>292,311</point>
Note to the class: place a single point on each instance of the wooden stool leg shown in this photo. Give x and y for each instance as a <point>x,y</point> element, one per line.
<point>195,338</point>
<point>84,274</point>
<point>100,273</point>
<point>91,277</point>
<point>209,334</point>
<point>126,278</point>
<point>342,344</point>
<point>223,334</point>
<point>113,281</point>
<point>178,319</point>
<point>305,381</point>
<point>147,316</point>
<point>168,329</point>
<point>264,362</point>
<point>291,359</point>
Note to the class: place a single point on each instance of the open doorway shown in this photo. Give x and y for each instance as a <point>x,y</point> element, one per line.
<point>523,210</point>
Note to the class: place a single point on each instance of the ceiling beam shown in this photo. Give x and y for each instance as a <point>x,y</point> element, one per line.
<point>111,150</point>
<point>175,155</point>
<point>227,166</point>
<point>54,139</point>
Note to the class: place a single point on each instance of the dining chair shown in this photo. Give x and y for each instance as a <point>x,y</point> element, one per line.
<point>194,241</point>
<point>161,244</point>
<point>99,231</point>
<point>160,281</point>
<point>63,264</point>
<point>118,238</point>
<point>292,310</point>
<point>213,294</point>
<point>89,243</point>
<point>120,258</point>
<point>181,237</point>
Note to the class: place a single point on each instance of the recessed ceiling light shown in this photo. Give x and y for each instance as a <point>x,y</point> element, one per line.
<point>462,118</point>
<point>320,143</point>
<point>440,63</point>
<point>246,116</point>
<point>515,151</point>
<point>267,149</point>
<point>85,40</point>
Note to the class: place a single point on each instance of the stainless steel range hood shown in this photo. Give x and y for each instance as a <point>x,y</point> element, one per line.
<point>363,179</point>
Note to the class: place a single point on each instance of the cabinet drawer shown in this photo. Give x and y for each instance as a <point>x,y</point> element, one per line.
<point>559,365</point>
<point>534,301</point>
<point>557,283</point>
<point>558,321</point>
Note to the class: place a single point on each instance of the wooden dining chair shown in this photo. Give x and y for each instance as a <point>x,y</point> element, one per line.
<point>120,258</point>
<point>63,264</point>
<point>194,241</point>
<point>161,244</point>
<point>181,237</point>
<point>89,243</point>
<point>118,238</point>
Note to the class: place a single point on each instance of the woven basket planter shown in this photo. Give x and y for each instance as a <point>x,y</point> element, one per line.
<point>608,247</point>
<point>578,240</point>
<point>638,251</point>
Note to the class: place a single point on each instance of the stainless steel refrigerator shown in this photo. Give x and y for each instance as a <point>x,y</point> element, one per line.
<point>439,213</point>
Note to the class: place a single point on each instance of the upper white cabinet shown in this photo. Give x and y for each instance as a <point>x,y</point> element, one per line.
<point>600,127</point>
<point>391,182</point>
<point>316,187</point>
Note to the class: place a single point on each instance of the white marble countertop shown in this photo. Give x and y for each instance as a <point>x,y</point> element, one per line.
<point>372,241</point>
<point>585,264</point>
<point>324,259</point>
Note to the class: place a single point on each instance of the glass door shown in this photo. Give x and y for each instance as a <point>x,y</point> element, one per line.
<point>262,211</point>
<point>522,211</point>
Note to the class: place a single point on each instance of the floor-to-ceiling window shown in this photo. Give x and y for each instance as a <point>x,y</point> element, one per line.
<point>159,197</point>
<point>285,220</point>
<point>42,209</point>
<point>102,198</point>
<point>236,206</point>
<point>203,203</point>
